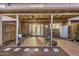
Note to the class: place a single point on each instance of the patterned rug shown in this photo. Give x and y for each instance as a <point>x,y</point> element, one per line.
<point>32,51</point>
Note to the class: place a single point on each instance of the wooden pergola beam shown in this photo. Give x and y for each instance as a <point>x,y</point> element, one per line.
<point>40,13</point>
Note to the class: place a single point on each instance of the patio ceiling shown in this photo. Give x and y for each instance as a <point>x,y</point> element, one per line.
<point>44,18</point>
<point>63,18</point>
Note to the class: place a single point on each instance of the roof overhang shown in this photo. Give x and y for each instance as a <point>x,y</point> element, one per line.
<point>40,7</point>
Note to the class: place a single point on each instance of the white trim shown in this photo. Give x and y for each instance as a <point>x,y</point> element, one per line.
<point>17,25</point>
<point>51,28</point>
<point>1,37</point>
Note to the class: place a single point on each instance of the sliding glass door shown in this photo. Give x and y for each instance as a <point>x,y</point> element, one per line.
<point>36,29</point>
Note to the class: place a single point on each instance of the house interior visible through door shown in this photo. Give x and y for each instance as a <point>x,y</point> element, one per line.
<point>35,30</point>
